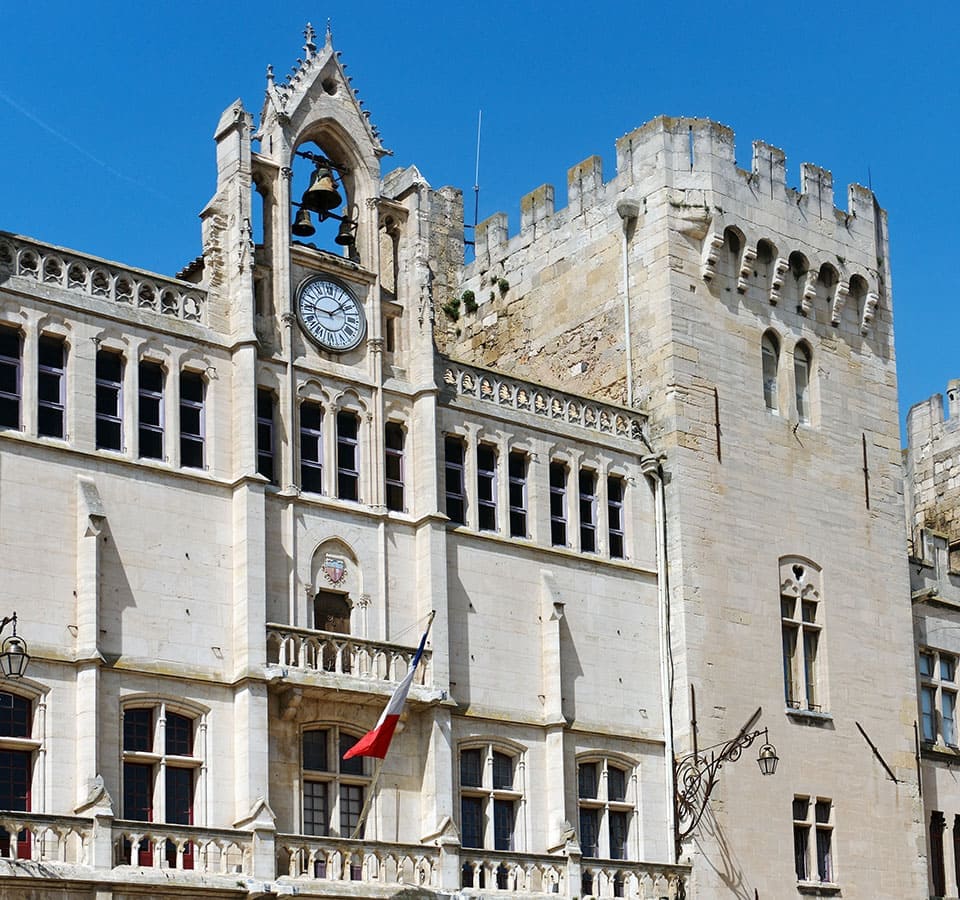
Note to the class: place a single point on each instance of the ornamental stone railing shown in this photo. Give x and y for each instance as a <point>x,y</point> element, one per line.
<point>540,401</point>
<point>363,861</point>
<point>157,845</point>
<point>44,838</point>
<point>96,278</point>
<point>343,654</point>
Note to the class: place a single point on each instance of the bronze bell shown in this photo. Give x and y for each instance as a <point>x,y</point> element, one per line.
<point>345,236</point>
<point>322,195</point>
<point>303,224</point>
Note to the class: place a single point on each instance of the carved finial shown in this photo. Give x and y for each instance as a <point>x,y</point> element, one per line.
<point>270,76</point>
<point>310,47</point>
<point>329,37</point>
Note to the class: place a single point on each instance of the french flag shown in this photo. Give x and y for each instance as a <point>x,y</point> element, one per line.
<point>376,742</point>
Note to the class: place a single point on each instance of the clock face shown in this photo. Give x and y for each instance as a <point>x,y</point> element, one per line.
<point>330,314</point>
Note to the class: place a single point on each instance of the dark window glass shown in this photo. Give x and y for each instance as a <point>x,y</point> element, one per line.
<point>619,826</point>
<point>517,471</point>
<point>315,751</point>
<point>16,714</point>
<point>316,808</point>
<point>138,729</point>
<point>191,420</point>
<point>558,504</point>
<point>503,814</point>
<point>351,803</point>
<point>150,410</point>
<point>265,434</point>
<point>311,447</point>
<point>354,765</point>
<point>589,831</point>
<point>179,796</point>
<point>502,772</point>
<point>348,453</point>
<point>616,784</point>
<point>178,732</point>
<point>10,377</point>
<point>138,792</point>
<point>471,822</point>
<point>588,511</point>
<point>109,400</point>
<point>471,768</point>
<point>16,767</point>
<point>454,480</point>
<point>50,387</point>
<point>615,515</point>
<point>393,465</point>
<point>486,487</point>
<point>587,779</point>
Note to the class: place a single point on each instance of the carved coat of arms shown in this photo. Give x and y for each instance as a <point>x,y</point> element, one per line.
<point>334,569</point>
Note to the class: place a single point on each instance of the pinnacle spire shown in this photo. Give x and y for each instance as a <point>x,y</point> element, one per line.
<point>310,36</point>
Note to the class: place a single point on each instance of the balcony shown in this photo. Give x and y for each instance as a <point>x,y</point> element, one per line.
<point>368,862</point>
<point>345,662</point>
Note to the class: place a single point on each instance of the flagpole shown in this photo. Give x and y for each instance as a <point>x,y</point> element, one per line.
<point>379,766</point>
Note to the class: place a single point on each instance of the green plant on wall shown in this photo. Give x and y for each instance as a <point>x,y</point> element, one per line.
<point>504,285</point>
<point>469,301</point>
<point>452,308</point>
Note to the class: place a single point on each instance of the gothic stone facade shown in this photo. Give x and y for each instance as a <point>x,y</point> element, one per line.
<point>644,448</point>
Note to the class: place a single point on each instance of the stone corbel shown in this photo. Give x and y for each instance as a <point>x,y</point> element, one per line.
<point>839,299</point>
<point>780,268</point>
<point>809,292</point>
<point>711,253</point>
<point>869,308</point>
<point>746,268</point>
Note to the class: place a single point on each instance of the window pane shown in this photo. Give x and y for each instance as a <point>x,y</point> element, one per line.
<point>947,667</point>
<point>138,729</point>
<point>179,796</point>
<point>590,832</point>
<point>789,665</point>
<point>354,765</point>
<point>503,824</point>
<point>824,855</point>
<point>316,811</point>
<point>351,803</point>
<point>471,822</point>
<point>619,826</point>
<point>949,699</point>
<point>315,751</point>
<point>926,664</point>
<point>502,771</point>
<point>50,352</point>
<point>179,735</point>
<point>769,353</point>
<point>801,834</point>
<point>15,716</point>
<point>138,792</point>
<point>471,770</point>
<point>616,783</point>
<point>587,780</point>
<point>928,720</point>
<point>810,642</point>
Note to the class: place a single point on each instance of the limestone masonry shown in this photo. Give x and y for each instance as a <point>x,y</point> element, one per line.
<point>641,460</point>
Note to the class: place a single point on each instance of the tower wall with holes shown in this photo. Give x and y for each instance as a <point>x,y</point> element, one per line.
<point>660,288</point>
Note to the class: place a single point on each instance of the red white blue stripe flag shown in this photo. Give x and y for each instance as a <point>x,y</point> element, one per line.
<point>377,741</point>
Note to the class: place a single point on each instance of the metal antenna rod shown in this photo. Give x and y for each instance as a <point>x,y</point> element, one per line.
<point>476,177</point>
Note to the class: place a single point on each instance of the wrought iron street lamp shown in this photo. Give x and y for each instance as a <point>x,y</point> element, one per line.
<point>13,652</point>
<point>697,774</point>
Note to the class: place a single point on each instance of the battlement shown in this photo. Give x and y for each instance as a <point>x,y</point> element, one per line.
<point>696,158</point>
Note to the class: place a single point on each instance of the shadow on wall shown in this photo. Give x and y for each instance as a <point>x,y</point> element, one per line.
<point>725,864</point>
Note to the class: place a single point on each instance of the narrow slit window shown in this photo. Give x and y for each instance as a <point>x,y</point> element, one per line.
<point>109,400</point>
<point>192,419</point>
<point>266,435</point>
<point>801,379</point>
<point>348,456</point>
<point>11,352</point>
<point>588,511</point>
<point>454,483</point>
<point>51,387</point>
<point>393,465</point>
<point>486,487</point>
<point>615,537</point>
<point>151,410</point>
<point>770,355</point>
<point>517,465</point>
<point>558,504</point>
<point>311,447</point>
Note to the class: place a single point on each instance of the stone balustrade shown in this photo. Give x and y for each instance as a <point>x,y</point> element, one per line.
<point>202,850</point>
<point>343,654</point>
<point>43,838</point>
<point>93,277</point>
<point>368,862</point>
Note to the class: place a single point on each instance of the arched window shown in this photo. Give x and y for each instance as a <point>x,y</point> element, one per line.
<point>770,355</point>
<point>491,788</point>
<point>802,621</point>
<point>606,808</point>
<point>334,788</point>
<point>801,381</point>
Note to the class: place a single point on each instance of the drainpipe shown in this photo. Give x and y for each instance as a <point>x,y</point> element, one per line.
<point>628,210</point>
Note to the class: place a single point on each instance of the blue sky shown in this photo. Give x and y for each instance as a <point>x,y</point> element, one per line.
<point>107,112</point>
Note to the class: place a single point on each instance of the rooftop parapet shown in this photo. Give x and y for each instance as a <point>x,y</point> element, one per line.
<point>678,152</point>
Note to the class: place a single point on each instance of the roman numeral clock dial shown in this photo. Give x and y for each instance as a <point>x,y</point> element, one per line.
<point>330,315</point>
